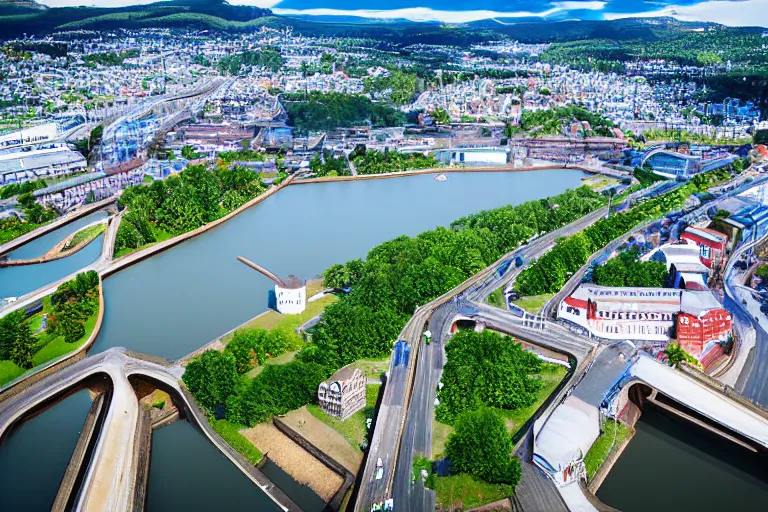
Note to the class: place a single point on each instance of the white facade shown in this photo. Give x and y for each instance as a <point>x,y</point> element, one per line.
<point>291,301</point>
<point>472,156</point>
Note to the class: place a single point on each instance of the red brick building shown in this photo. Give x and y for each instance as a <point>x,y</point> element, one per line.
<point>711,245</point>
<point>701,322</point>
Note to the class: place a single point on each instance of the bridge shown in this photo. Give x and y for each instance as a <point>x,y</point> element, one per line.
<point>113,479</point>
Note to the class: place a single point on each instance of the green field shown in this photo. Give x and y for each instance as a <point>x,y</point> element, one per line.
<point>160,236</point>
<point>231,434</point>
<point>534,303</point>
<point>463,492</point>
<point>50,346</point>
<point>602,447</point>
<point>353,429</point>
<point>86,234</point>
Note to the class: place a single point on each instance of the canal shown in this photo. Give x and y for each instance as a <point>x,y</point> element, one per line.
<point>35,454</point>
<point>17,281</point>
<point>671,465</point>
<point>179,300</point>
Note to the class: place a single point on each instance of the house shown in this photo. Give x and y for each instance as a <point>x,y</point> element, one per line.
<point>343,394</point>
<point>702,322</point>
<point>711,245</point>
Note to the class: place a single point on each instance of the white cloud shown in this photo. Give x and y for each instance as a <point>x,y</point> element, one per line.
<point>264,4</point>
<point>417,14</point>
<point>741,13</point>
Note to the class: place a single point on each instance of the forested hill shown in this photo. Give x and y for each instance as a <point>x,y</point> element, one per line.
<point>18,17</point>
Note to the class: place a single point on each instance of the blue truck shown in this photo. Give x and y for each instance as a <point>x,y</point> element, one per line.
<point>402,352</point>
<point>519,261</point>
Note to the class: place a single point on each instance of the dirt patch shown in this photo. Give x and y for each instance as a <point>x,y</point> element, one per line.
<point>294,460</point>
<point>325,438</point>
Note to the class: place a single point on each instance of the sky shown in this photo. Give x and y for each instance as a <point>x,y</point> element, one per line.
<point>727,12</point>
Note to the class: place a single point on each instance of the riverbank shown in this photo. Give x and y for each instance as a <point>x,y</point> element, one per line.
<point>444,170</point>
<point>17,242</point>
<point>67,247</point>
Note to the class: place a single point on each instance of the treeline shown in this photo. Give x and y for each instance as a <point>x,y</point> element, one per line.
<point>319,111</point>
<point>627,270</point>
<point>268,58</point>
<point>376,162</point>
<point>550,272</point>
<point>396,277</point>
<point>183,202</point>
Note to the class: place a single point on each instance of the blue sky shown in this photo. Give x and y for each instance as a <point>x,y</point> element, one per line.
<point>728,12</point>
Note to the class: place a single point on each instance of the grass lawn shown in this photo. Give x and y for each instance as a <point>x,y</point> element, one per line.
<point>372,368</point>
<point>86,234</point>
<point>551,375</point>
<point>272,319</point>
<point>440,433</point>
<point>353,428</point>
<point>49,346</point>
<point>496,298</point>
<point>465,492</point>
<point>230,432</point>
<point>604,444</point>
<point>534,303</point>
<point>283,358</point>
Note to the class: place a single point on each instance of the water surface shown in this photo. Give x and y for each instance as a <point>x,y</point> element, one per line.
<point>671,465</point>
<point>34,456</point>
<point>185,297</point>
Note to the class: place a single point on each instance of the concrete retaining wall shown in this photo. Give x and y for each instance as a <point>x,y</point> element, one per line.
<point>323,457</point>
<point>78,463</point>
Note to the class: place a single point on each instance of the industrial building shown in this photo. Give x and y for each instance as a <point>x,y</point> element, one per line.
<point>48,161</point>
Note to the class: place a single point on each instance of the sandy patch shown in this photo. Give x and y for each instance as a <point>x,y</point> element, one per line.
<point>294,460</point>
<point>325,438</point>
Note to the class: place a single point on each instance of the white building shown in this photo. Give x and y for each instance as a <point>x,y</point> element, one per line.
<point>291,295</point>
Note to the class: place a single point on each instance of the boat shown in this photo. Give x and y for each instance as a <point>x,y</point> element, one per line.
<point>441,177</point>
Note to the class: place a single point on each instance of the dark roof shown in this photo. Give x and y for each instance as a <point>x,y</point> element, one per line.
<point>291,282</point>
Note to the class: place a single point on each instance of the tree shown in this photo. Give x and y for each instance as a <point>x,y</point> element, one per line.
<point>188,152</point>
<point>676,355</point>
<point>336,276</point>
<point>212,377</point>
<point>481,446</point>
<point>486,369</point>
<point>24,346</point>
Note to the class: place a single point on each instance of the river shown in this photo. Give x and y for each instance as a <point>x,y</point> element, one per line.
<point>671,465</point>
<point>179,300</point>
<point>176,301</point>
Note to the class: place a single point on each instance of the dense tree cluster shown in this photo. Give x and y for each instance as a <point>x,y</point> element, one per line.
<point>72,303</point>
<point>486,369</point>
<point>627,270</point>
<point>252,347</point>
<point>319,111</point>
<point>109,58</point>
<point>551,271</point>
<point>401,86</point>
<point>552,121</point>
<point>375,162</point>
<point>16,341</point>
<point>481,446</point>
<point>183,202</point>
<point>329,165</point>
<point>268,58</point>
<point>214,380</point>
